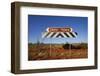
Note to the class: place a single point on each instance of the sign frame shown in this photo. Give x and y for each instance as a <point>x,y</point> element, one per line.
<point>15,37</point>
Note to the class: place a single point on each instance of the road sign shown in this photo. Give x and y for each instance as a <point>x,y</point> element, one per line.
<point>59,29</point>
<point>62,32</point>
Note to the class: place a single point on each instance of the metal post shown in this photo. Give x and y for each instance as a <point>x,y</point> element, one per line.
<point>70,49</point>
<point>50,49</point>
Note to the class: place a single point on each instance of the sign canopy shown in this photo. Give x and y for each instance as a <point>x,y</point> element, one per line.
<point>59,35</point>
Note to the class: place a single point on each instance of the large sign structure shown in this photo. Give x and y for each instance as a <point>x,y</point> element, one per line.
<point>59,33</point>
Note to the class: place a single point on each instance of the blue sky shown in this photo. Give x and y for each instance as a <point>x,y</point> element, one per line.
<point>37,24</point>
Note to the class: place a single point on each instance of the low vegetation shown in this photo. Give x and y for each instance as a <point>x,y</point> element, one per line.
<point>41,51</point>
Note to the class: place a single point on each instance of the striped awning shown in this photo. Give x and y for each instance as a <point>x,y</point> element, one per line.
<point>59,35</point>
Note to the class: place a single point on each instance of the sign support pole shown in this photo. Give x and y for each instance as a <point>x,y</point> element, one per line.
<point>50,49</point>
<point>70,49</point>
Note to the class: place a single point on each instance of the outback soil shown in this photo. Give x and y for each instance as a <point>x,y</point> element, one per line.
<point>47,52</point>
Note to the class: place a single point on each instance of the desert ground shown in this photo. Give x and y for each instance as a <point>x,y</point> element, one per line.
<point>57,51</point>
